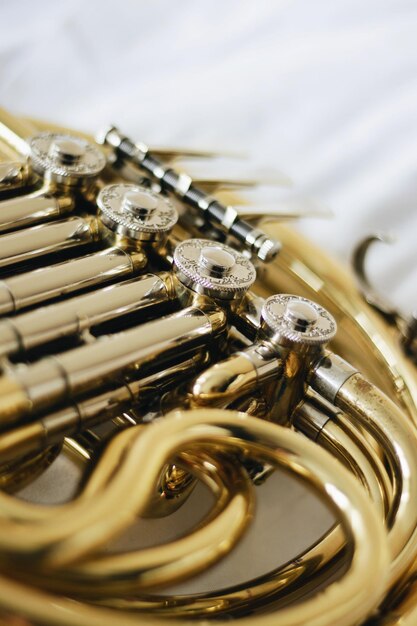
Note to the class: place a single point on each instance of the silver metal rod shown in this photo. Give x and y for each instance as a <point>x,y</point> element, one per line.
<point>30,243</point>
<point>31,388</point>
<point>182,185</point>
<point>46,283</point>
<point>79,314</point>
<point>330,375</point>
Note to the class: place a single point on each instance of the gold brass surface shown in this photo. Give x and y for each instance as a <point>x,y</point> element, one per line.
<point>350,598</point>
<point>136,365</point>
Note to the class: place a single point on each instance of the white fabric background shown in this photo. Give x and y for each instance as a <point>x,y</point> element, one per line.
<point>325,91</point>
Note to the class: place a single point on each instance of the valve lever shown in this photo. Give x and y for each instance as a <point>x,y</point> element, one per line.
<point>182,185</point>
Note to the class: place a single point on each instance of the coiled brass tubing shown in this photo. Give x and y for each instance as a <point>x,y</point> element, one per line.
<point>306,570</point>
<point>345,602</point>
<point>64,376</point>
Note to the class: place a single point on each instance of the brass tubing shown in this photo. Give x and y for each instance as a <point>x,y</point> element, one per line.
<point>27,389</point>
<point>215,535</point>
<point>339,437</point>
<point>386,422</point>
<point>302,268</point>
<point>236,502</point>
<point>49,282</point>
<point>345,602</point>
<point>345,443</point>
<point>9,154</point>
<point>88,412</point>
<point>79,314</point>
<point>295,580</point>
<point>283,370</point>
<point>402,513</point>
<point>404,609</point>
<point>308,569</point>
<point>125,573</point>
<point>368,404</point>
<point>237,375</point>
<point>25,211</point>
<point>223,382</point>
<point>359,336</point>
<point>23,471</point>
<point>36,241</point>
<point>32,438</point>
<point>13,175</point>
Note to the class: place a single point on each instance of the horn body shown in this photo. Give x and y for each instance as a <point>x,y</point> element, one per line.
<point>155,350</point>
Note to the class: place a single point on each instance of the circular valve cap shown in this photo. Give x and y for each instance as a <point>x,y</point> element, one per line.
<point>213,269</point>
<point>136,212</point>
<point>66,156</point>
<point>288,319</point>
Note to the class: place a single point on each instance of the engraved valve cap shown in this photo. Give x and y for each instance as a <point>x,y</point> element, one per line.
<point>213,269</point>
<point>66,157</point>
<point>292,320</point>
<point>136,212</point>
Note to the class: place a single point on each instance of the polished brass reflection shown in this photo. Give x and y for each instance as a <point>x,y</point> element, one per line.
<point>133,342</point>
<point>405,323</point>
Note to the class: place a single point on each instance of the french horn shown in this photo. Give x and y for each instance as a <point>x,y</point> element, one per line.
<point>162,340</point>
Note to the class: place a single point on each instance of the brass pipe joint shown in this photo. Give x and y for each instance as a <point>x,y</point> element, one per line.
<point>290,338</point>
<point>68,168</point>
<point>131,220</point>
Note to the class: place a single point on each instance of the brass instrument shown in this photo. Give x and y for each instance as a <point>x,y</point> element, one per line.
<point>160,340</point>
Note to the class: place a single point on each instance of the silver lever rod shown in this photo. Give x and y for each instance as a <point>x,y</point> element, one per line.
<point>183,187</point>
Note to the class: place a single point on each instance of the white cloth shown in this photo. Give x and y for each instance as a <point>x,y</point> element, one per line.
<point>325,91</point>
